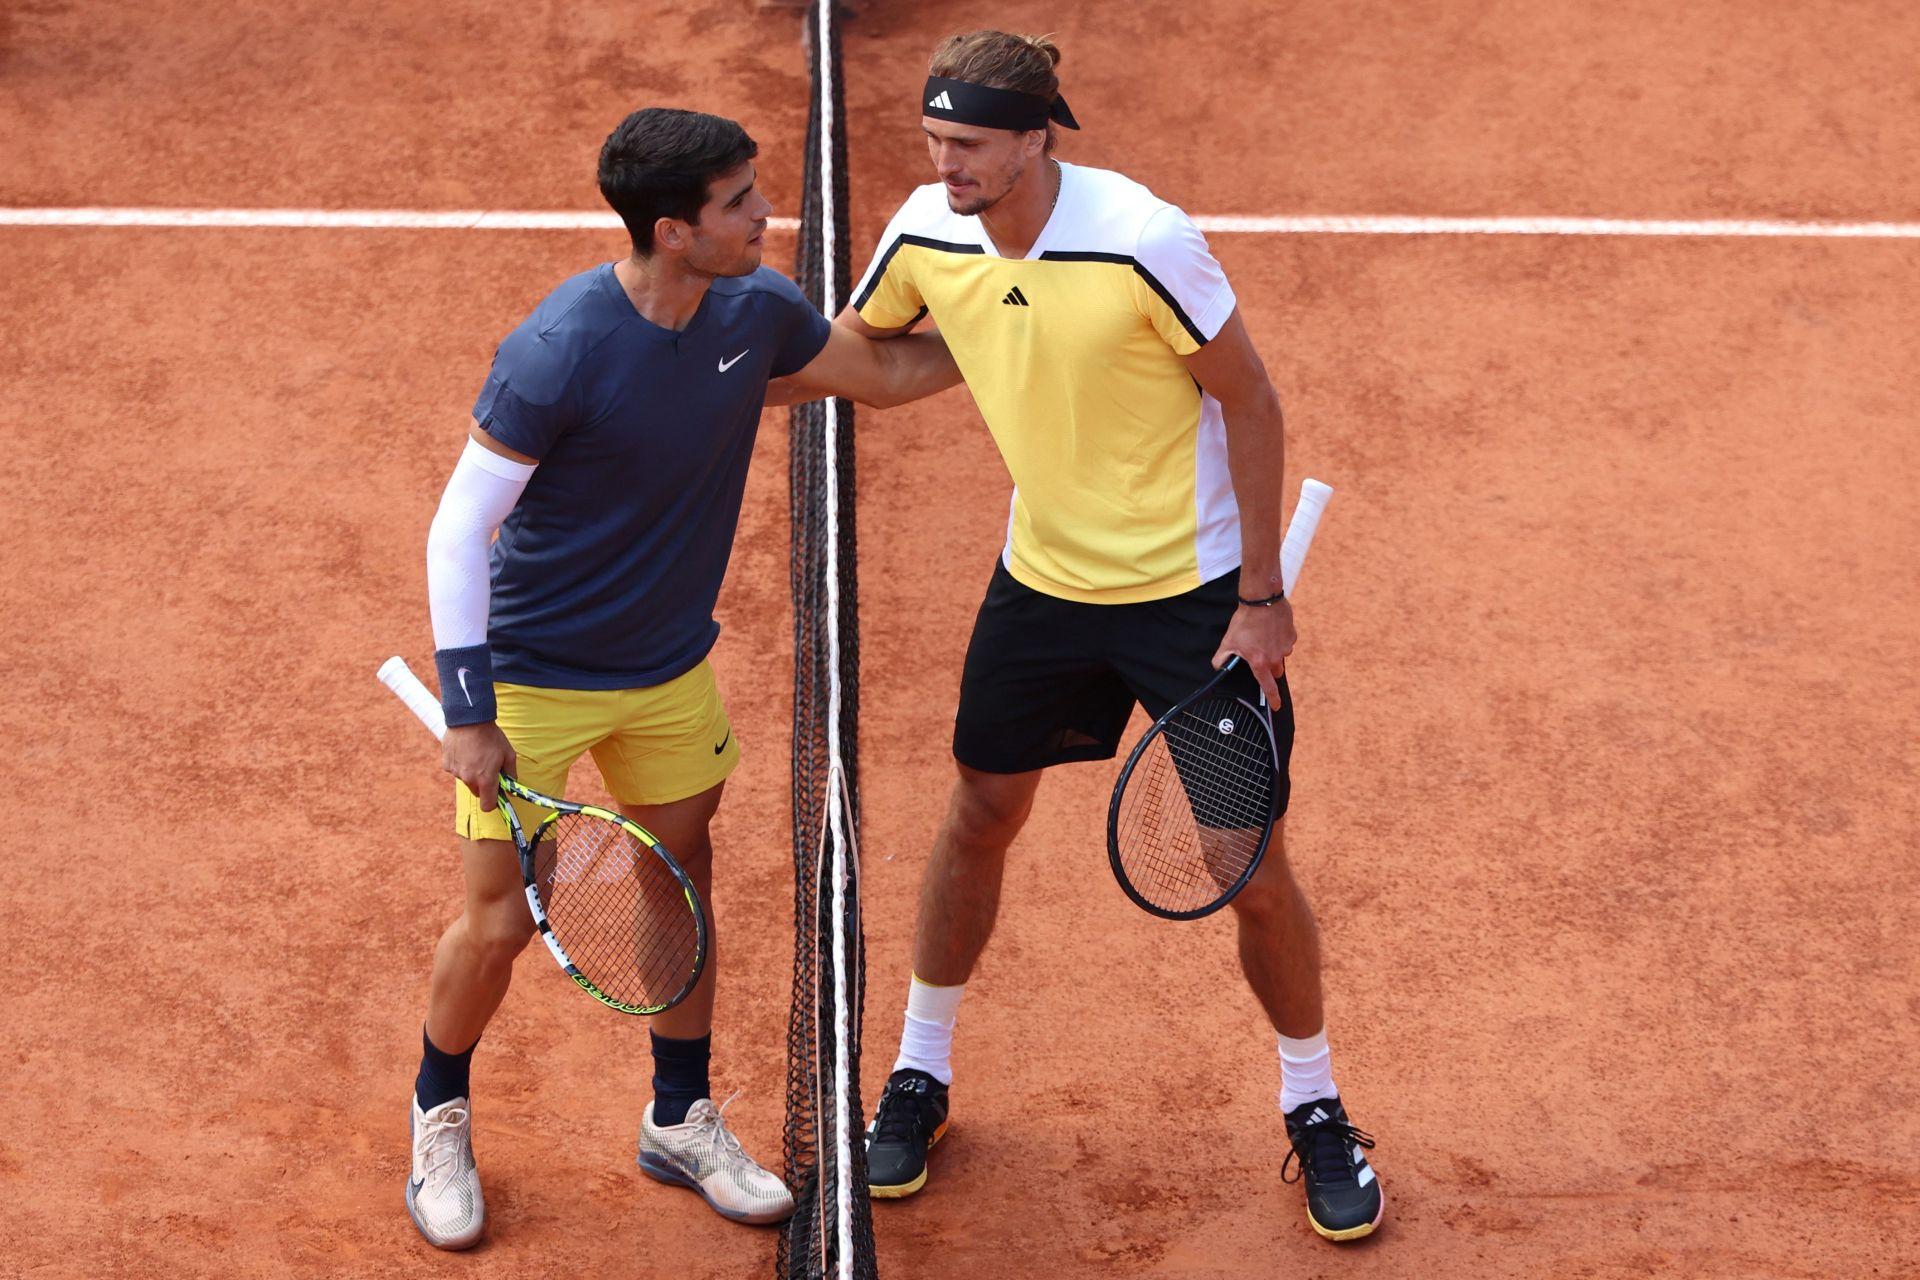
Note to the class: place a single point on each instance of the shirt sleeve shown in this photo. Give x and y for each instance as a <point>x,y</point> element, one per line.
<point>803,330</point>
<point>1181,287</point>
<point>529,401</point>
<point>887,297</point>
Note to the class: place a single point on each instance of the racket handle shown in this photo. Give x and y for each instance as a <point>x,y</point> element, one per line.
<point>395,674</point>
<point>1300,530</point>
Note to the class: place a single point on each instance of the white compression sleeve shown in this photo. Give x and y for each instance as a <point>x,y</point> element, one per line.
<point>483,488</point>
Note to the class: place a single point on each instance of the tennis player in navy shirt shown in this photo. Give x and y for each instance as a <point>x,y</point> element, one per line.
<point>609,452</point>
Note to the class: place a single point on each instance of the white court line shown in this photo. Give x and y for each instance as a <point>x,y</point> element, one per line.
<point>373,219</point>
<point>1393,226</point>
<point>510,220</point>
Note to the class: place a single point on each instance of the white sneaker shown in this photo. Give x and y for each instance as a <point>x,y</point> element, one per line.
<point>443,1195</point>
<point>704,1155</point>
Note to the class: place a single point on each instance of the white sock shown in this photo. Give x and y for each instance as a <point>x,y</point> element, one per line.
<point>926,1040</point>
<point>1306,1070</point>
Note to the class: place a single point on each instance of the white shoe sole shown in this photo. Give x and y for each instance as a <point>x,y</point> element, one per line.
<point>661,1169</point>
<point>452,1244</point>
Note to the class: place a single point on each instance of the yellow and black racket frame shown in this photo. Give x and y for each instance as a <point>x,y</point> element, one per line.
<point>526,848</point>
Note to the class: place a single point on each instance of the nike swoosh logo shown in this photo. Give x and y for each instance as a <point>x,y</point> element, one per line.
<point>728,364</point>
<point>462,673</point>
<point>723,742</point>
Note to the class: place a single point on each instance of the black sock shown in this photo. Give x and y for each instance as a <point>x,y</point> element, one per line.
<point>443,1076</point>
<point>679,1076</point>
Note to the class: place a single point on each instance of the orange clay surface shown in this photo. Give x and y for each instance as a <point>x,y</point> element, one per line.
<point>1605,782</point>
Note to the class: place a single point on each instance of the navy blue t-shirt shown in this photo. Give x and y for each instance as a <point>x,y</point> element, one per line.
<point>605,574</point>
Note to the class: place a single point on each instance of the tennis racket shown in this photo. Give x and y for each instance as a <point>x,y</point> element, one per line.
<point>1194,808</point>
<point>614,908</point>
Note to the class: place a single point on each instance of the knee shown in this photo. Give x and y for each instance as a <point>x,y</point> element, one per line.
<point>989,813</point>
<point>1271,896</point>
<point>1260,904</point>
<point>498,931</point>
<point>695,855</point>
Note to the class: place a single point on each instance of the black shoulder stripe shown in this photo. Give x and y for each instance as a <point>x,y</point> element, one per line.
<point>1193,330</point>
<point>880,272</point>
<point>947,246</point>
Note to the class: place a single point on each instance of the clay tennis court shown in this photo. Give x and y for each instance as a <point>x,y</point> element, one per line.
<point>1605,782</point>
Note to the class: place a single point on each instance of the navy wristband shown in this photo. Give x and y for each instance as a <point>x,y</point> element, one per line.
<point>466,683</point>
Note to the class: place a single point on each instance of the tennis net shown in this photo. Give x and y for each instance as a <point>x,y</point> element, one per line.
<point>831,1234</point>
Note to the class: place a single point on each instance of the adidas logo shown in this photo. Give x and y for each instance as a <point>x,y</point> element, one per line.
<point>1015,298</point>
<point>943,102</point>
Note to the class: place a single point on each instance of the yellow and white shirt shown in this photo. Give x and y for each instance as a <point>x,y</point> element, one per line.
<point>1073,353</point>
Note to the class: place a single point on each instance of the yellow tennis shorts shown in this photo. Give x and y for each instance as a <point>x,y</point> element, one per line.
<point>653,746</point>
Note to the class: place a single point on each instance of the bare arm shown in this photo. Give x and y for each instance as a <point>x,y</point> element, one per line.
<point>478,434</point>
<point>1232,373</point>
<point>879,367</point>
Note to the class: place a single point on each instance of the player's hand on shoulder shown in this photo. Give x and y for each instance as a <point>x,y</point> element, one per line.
<point>478,754</point>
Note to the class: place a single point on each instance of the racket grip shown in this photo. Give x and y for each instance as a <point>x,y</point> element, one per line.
<point>397,676</point>
<point>1300,530</point>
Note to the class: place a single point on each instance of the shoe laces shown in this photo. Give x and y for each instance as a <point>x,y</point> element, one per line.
<point>901,1115</point>
<point>441,1147</point>
<point>1325,1151</point>
<point>713,1126</point>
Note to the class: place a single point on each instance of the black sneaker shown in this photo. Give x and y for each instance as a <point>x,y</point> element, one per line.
<point>911,1117</point>
<point>1344,1201</point>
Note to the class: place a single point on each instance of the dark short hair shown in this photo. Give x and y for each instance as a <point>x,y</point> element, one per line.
<point>658,163</point>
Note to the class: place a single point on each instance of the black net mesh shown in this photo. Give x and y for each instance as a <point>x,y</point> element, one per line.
<point>809,1247</point>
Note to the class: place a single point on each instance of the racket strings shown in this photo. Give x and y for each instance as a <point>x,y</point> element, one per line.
<point>1198,804</point>
<point>622,915</point>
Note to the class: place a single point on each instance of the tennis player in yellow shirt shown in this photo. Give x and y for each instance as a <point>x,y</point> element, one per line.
<point>1106,351</point>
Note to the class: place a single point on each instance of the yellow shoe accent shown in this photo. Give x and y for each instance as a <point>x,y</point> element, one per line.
<point>906,1189</point>
<point>1351,1233</point>
<point>900,1192</point>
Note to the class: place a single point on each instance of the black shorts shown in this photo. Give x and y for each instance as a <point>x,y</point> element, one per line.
<point>1050,681</point>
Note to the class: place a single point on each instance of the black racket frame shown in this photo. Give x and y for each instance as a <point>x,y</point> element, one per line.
<point>1265,719</point>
